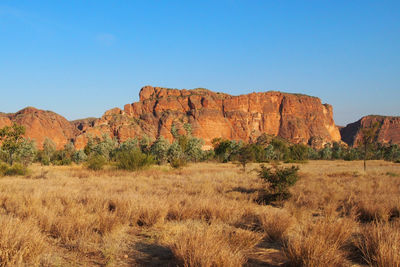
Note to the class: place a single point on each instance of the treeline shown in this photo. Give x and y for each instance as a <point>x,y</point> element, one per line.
<point>268,148</point>
<point>133,154</point>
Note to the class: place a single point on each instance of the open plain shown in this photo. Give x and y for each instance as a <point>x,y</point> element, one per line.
<point>206,214</point>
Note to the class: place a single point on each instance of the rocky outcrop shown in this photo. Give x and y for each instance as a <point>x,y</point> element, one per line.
<point>388,132</point>
<point>297,118</point>
<point>203,113</point>
<point>40,124</point>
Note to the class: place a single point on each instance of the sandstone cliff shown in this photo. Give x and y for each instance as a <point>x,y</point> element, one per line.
<point>206,114</point>
<point>40,124</point>
<point>298,118</point>
<point>389,130</point>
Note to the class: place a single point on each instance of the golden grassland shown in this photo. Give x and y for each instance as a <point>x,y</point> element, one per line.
<point>206,214</point>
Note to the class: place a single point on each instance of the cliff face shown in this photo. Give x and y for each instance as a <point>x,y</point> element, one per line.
<point>206,114</point>
<point>389,130</point>
<point>40,124</point>
<point>297,118</point>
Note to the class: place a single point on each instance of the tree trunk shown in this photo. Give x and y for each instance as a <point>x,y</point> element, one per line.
<point>365,157</point>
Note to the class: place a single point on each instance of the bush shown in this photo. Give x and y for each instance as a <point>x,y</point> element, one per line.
<point>177,163</point>
<point>79,157</point>
<point>16,169</point>
<point>246,155</point>
<point>96,162</point>
<point>176,157</point>
<point>159,149</point>
<point>279,178</point>
<point>133,160</point>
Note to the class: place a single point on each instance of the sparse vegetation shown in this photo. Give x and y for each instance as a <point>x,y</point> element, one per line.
<point>133,160</point>
<point>206,214</point>
<point>279,179</point>
<point>96,162</point>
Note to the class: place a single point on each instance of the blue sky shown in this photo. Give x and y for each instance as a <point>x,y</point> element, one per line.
<point>79,58</point>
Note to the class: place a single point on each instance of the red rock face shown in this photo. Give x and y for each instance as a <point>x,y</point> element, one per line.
<point>389,130</point>
<point>40,124</point>
<point>206,114</point>
<point>297,118</point>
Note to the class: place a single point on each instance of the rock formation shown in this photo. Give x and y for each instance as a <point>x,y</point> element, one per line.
<point>389,130</point>
<point>40,124</point>
<point>206,114</point>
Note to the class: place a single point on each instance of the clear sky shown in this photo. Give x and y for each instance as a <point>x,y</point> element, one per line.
<point>80,58</point>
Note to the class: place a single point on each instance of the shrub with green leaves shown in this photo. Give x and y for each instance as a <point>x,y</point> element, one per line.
<point>14,170</point>
<point>246,155</point>
<point>26,152</point>
<point>133,160</point>
<point>176,157</point>
<point>193,149</point>
<point>279,178</point>
<point>159,149</point>
<point>96,162</point>
<point>79,157</point>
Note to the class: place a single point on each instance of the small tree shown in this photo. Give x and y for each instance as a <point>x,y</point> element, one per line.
<point>133,160</point>
<point>193,149</point>
<point>279,179</point>
<point>11,140</point>
<point>159,149</point>
<point>79,156</point>
<point>176,157</point>
<point>368,137</point>
<point>49,149</point>
<point>298,152</point>
<point>246,155</point>
<point>26,152</point>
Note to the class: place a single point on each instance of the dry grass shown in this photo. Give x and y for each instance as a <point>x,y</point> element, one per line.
<point>203,215</point>
<point>199,244</point>
<point>21,242</point>
<point>380,244</point>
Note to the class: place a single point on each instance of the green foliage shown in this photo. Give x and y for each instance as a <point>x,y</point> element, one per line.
<point>368,137</point>
<point>129,144</point>
<point>246,155</point>
<point>281,149</point>
<point>79,157</point>
<point>174,131</point>
<point>145,144</point>
<point>298,152</point>
<point>193,149</point>
<point>105,147</point>
<point>26,152</point>
<point>159,149</point>
<point>13,170</point>
<point>326,152</point>
<point>226,150</point>
<point>279,178</point>
<point>178,163</point>
<point>96,162</point>
<point>133,160</point>
<point>188,128</point>
<point>176,156</point>
<point>392,153</point>
<point>49,148</point>
<point>11,140</point>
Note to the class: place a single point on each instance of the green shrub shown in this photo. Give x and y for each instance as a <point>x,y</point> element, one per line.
<point>246,155</point>
<point>159,149</point>
<point>279,179</point>
<point>178,163</point>
<point>96,162</point>
<point>133,160</point>
<point>79,157</point>
<point>15,169</point>
<point>176,156</point>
